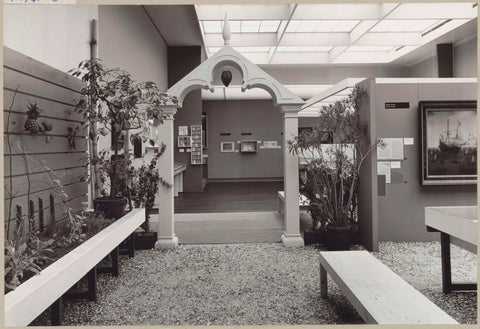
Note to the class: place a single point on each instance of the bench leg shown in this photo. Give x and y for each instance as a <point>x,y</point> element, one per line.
<point>56,313</point>
<point>446,264</point>
<point>92,284</point>
<point>323,282</point>
<point>115,267</point>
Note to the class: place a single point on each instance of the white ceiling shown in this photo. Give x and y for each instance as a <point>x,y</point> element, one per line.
<point>373,33</point>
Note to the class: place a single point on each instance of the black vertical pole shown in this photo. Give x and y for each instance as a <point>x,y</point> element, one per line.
<point>446,264</point>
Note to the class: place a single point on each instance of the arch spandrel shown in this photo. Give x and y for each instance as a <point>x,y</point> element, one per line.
<point>253,77</point>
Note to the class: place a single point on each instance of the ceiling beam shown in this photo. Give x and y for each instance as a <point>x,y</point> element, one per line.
<point>242,39</point>
<point>339,11</point>
<point>316,39</point>
<point>281,31</point>
<point>390,39</point>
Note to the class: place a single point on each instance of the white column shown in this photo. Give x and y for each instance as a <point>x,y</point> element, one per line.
<point>166,233</point>
<point>291,236</point>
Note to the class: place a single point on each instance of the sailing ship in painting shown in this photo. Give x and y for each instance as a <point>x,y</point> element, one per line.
<point>449,143</point>
<point>455,154</point>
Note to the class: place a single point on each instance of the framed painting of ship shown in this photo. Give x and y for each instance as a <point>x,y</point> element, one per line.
<point>448,131</point>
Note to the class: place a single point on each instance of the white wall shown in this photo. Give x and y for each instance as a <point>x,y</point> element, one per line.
<point>464,63</point>
<point>127,39</point>
<point>55,35</point>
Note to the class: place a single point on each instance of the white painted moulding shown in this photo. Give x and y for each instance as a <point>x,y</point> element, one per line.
<point>31,298</point>
<point>458,221</point>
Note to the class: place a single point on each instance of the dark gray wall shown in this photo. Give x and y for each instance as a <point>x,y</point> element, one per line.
<point>401,211</point>
<point>464,63</point>
<point>181,61</point>
<point>258,117</point>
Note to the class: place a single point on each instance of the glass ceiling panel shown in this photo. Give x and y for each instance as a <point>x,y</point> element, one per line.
<point>308,26</point>
<point>370,48</point>
<point>405,25</point>
<point>263,26</point>
<point>287,49</point>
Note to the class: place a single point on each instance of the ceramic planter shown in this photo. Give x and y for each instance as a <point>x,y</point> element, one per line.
<point>338,238</point>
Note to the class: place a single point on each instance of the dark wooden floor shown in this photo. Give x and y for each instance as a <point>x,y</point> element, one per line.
<point>231,197</point>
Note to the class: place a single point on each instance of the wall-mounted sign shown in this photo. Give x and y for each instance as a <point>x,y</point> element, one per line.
<point>269,144</point>
<point>397,105</point>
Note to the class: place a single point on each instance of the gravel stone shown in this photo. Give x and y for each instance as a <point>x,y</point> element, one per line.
<point>255,284</point>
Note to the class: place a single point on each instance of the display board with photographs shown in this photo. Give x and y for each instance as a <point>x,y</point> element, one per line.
<point>197,149</point>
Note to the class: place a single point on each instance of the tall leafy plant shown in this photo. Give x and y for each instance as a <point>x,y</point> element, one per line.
<point>330,176</point>
<point>115,103</point>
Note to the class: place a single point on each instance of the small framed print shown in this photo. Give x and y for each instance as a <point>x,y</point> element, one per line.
<point>227,147</point>
<point>184,141</point>
<point>182,130</point>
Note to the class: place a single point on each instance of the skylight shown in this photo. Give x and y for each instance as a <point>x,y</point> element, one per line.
<point>309,26</point>
<point>290,49</point>
<point>242,26</point>
<point>406,25</point>
<point>333,33</point>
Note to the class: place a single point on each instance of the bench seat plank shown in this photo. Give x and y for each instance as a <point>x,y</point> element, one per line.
<point>377,293</point>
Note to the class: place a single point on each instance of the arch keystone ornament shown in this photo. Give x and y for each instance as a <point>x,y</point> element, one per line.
<point>252,77</point>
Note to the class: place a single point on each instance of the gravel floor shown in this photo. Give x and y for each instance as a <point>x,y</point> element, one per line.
<point>255,284</point>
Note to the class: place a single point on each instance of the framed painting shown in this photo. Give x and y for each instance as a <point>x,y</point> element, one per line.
<point>448,130</point>
<point>227,147</point>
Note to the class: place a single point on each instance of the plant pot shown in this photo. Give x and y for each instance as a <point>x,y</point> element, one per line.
<point>110,207</point>
<point>145,240</point>
<point>313,237</point>
<point>338,238</point>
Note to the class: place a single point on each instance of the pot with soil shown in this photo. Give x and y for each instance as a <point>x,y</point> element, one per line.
<point>110,207</point>
<point>338,238</point>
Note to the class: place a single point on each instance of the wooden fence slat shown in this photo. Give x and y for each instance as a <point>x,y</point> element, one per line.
<point>53,161</point>
<point>30,85</point>
<point>40,182</point>
<point>31,66</point>
<point>39,144</point>
<point>49,107</point>
<point>72,191</point>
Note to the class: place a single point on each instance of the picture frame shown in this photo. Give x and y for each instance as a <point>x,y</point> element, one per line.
<point>182,130</point>
<point>448,152</point>
<point>248,146</point>
<point>184,141</point>
<point>227,147</point>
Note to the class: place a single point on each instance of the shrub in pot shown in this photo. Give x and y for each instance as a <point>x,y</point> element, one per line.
<point>145,184</point>
<point>334,152</point>
<point>114,104</point>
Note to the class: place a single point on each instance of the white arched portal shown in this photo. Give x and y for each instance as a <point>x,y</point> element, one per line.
<point>253,77</point>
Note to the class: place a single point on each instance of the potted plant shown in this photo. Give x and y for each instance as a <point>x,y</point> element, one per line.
<point>144,189</point>
<point>334,151</point>
<point>115,104</point>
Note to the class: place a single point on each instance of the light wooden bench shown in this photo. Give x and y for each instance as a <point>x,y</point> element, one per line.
<point>303,204</point>
<point>377,293</point>
<point>459,223</point>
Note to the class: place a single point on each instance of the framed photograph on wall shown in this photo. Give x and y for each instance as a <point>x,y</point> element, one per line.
<point>448,131</point>
<point>182,130</point>
<point>227,147</point>
<point>184,141</point>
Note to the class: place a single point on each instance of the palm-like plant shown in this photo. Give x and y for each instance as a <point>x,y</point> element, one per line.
<point>330,176</point>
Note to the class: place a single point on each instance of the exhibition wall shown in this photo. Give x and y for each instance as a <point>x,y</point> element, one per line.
<point>182,60</point>
<point>401,208</point>
<point>237,120</point>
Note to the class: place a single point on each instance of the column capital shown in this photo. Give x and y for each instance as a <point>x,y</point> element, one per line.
<point>290,111</point>
<point>169,112</point>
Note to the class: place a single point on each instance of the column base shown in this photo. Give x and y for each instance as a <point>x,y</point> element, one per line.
<point>166,243</point>
<point>292,240</point>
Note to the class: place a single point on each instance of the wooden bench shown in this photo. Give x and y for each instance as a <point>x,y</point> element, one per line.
<point>35,295</point>
<point>302,203</point>
<point>377,293</point>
